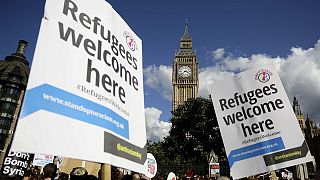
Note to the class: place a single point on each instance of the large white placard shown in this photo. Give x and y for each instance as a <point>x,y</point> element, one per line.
<point>84,97</point>
<point>259,129</point>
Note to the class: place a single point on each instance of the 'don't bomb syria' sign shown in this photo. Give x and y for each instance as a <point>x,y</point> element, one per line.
<point>258,127</point>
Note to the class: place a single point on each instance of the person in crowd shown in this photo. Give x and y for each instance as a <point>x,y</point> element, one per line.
<point>223,178</point>
<point>49,171</point>
<point>36,177</point>
<point>27,175</point>
<point>63,176</point>
<point>144,177</point>
<point>115,173</point>
<point>127,177</point>
<point>135,176</point>
<point>78,173</point>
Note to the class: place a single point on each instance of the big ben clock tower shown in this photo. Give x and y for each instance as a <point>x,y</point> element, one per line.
<point>185,79</point>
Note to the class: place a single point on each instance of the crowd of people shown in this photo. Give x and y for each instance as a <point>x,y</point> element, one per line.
<point>50,172</point>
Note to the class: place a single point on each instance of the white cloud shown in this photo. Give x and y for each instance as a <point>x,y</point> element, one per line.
<point>208,76</point>
<point>156,129</point>
<point>299,73</point>
<point>218,53</point>
<point>242,64</point>
<point>159,79</point>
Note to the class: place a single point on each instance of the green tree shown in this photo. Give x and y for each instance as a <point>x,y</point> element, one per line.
<point>160,153</point>
<point>195,134</point>
<point>193,140</point>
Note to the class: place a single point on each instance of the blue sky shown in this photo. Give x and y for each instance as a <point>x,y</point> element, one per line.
<point>228,36</point>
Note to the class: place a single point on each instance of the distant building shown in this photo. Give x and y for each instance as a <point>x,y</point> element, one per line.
<point>311,129</point>
<point>185,80</point>
<point>298,113</point>
<point>312,136</point>
<point>14,72</point>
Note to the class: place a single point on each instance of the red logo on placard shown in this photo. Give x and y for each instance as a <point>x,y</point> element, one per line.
<point>263,75</point>
<point>130,41</point>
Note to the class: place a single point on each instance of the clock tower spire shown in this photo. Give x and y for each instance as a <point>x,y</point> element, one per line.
<point>186,32</point>
<point>184,72</point>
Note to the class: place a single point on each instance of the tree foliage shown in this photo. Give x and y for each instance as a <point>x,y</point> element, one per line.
<point>193,137</point>
<point>195,130</point>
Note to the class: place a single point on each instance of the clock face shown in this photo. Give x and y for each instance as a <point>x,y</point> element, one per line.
<point>184,71</point>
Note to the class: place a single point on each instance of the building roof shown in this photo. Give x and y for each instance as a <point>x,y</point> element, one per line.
<point>15,68</point>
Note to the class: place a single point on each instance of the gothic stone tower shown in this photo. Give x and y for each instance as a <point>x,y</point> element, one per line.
<point>14,72</point>
<point>299,115</point>
<point>184,72</point>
